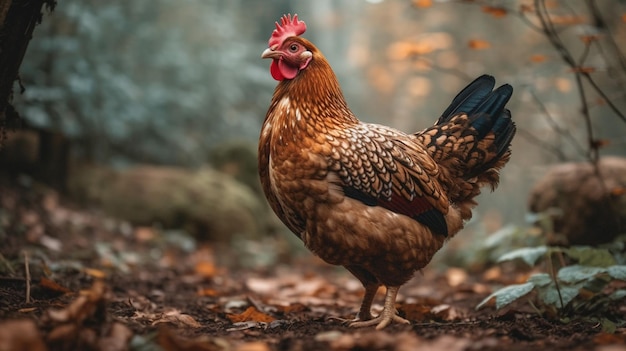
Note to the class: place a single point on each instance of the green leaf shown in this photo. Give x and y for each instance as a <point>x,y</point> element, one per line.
<point>617,272</point>
<point>530,255</point>
<point>608,326</point>
<point>576,273</point>
<point>589,256</point>
<point>501,236</point>
<point>540,279</point>
<point>550,294</point>
<point>508,294</point>
<point>618,294</point>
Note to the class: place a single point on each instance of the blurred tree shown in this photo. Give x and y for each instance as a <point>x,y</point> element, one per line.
<point>154,83</point>
<point>17,22</point>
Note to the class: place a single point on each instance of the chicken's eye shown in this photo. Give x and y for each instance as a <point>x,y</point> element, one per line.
<point>293,48</point>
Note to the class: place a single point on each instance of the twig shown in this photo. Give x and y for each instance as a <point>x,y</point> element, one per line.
<point>554,278</point>
<point>27,269</point>
<point>535,140</point>
<point>564,132</point>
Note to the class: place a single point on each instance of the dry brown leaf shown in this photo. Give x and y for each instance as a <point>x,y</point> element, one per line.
<point>208,292</point>
<point>143,234</point>
<point>52,286</point>
<point>456,276</point>
<point>495,11</point>
<point>26,310</point>
<point>250,314</point>
<point>96,273</point>
<point>567,20</point>
<point>253,346</point>
<point>493,274</point>
<point>624,18</point>
<point>206,269</point>
<point>588,39</point>
<point>618,191</point>
<point>583,69</point>
<point>170,341</point>
<point>21,335</point>
<point>178,319</point>
<point>478,44</point>
<point>117,340</point>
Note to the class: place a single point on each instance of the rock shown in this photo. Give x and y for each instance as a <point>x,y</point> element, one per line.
<point>207,203</point>
<point>584,208</point>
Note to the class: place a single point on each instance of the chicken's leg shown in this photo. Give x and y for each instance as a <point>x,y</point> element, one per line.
<point>388,315</point>
<point>365,313</point>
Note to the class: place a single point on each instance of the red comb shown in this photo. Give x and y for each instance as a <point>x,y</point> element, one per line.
<point>288,28</point>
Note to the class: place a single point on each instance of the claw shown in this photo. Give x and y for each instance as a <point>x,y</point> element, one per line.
<point>380,322</point>
<point>388,315</point>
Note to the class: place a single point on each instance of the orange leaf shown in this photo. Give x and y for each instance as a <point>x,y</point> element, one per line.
<point>478,44</point>
<point>583,69</point>
<point>497,12</point>
<point>567,20</point>
<point>208,292</point>
<point>526,8</point>
<point>624,18</point>
<point>538,58</point>
<point>250,314</point>
<point>587,39</point>
<point>206,269</point>
<point>96,273</point>
<point>600,143</point>
<point>423,3</point>
<point>618,191</point>
<point>53,286</point>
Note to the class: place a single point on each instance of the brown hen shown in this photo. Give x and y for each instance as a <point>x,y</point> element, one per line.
<point>365,196</point>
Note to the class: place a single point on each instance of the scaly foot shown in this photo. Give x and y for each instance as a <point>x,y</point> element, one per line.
<point>383,320</point>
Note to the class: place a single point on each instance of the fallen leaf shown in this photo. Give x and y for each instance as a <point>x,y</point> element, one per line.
<point>21,335</point>
<point>178,319</point>
<point>456,276</point>
<point>495,11</point>
<point>250,314</point>
<point>208,292</point>
<point>26,310</point>
<point>567,20</point>
<point>169,340</point>
<point>253,346</point>
<point>206,269</point>
<point>53,286</point>
<point>588,39</point>
<point>96,273</point>
<point>618,191</point>
<point>478,44</point>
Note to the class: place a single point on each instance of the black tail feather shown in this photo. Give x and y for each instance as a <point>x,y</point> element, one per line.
<point>470,97</point>
<point>486,109</point>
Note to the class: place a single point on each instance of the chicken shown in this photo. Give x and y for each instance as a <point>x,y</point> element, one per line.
<point>368,197</point>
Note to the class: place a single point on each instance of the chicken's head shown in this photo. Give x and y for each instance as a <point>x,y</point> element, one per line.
<point>288,52</point>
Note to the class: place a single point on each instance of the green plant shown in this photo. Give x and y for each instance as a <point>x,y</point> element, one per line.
<point>578,289</point>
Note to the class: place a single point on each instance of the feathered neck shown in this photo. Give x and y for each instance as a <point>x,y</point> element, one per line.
<point>316,92</point>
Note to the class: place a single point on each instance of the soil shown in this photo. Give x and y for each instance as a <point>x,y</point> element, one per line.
<point>97,283</point>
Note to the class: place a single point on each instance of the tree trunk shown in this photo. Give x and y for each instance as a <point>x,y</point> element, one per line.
<point>17,21</point>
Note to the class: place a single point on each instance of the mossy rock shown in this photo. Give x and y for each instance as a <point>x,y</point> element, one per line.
<point>209,204</point>
<point>586,206</point>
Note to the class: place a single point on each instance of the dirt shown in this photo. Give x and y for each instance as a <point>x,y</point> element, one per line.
<point>97,283</point>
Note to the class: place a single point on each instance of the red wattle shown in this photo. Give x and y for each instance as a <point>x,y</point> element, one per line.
<point>275,71</point>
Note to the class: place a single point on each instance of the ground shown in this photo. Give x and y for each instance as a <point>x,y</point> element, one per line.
<point>97,283</point>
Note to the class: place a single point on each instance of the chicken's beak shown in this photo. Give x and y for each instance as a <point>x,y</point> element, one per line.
<point>269,53</point>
